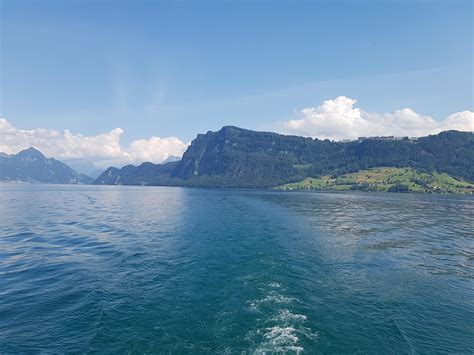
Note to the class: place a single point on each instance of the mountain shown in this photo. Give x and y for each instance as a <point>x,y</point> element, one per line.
<point>84,166</point>
<point>144,174</point>
<point>171,159</point>
<point>235,157</point>
<point>30,165</point>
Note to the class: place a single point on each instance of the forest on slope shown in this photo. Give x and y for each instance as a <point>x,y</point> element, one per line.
<point>235,157</point>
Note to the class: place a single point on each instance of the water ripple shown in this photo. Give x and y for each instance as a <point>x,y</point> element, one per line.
<point>171,270</point>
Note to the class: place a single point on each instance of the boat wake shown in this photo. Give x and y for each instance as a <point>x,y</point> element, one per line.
<point>280,329</point>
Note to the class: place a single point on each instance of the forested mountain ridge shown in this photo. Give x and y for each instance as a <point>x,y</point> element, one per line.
<point>144,174</point>
<point>235,157</point>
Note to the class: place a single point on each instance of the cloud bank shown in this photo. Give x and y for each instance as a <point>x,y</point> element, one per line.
<point>103,150</point>
<point>334,119</point>
<point>340,119</point>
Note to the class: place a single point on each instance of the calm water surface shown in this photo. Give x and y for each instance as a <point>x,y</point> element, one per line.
<point>173,270</point>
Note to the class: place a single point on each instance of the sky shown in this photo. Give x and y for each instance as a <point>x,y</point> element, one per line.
<point>118,82</point>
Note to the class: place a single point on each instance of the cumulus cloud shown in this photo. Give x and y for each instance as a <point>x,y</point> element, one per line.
<point>339,119</point>
<point>103,149</point>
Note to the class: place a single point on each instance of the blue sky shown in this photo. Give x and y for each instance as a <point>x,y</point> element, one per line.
<point>182,67</point>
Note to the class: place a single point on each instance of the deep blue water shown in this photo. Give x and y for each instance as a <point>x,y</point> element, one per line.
<point>174,270</point>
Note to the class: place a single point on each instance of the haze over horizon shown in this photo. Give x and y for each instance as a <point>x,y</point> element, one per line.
<point>137,81</point>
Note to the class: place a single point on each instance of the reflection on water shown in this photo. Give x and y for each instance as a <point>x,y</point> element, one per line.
<point>136,269</point>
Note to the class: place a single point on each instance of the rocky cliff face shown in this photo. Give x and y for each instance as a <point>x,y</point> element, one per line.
<point>242,157</point>
<point>235,157</point>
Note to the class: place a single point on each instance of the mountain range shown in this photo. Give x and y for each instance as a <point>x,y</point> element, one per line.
<point>30,165</point>
<point>236,157</point>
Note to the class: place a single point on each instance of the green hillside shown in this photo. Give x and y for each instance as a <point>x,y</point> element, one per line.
<point>236,157</point>
<point>385,179</point>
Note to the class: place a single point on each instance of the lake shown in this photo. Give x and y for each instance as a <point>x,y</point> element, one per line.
<point>115,269</point>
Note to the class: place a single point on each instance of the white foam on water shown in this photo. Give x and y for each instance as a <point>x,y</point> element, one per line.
<point>285,316</point>
<point>272,297</point>
<point>281,330</point>
<point>281,335</point>
<point>279,339</point>
<point>277,298</point>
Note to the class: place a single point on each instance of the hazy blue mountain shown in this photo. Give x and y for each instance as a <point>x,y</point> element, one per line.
<point>235,157</point>
<point>84,166</point>
<point>30,165</point>
<point>171,159</point>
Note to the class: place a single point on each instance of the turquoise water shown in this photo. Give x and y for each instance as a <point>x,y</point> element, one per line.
<point>116,269</point>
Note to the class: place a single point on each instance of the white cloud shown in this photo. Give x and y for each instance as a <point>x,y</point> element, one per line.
<point>103,149</point>
<point>339,119</point>
<point>333,119</point>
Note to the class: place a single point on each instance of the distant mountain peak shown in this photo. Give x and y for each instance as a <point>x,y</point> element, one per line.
<point>171,159</point>
<point>229,128</point>
<point>232,129</point>
<point>31,152</point>
<point>30,165</point>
